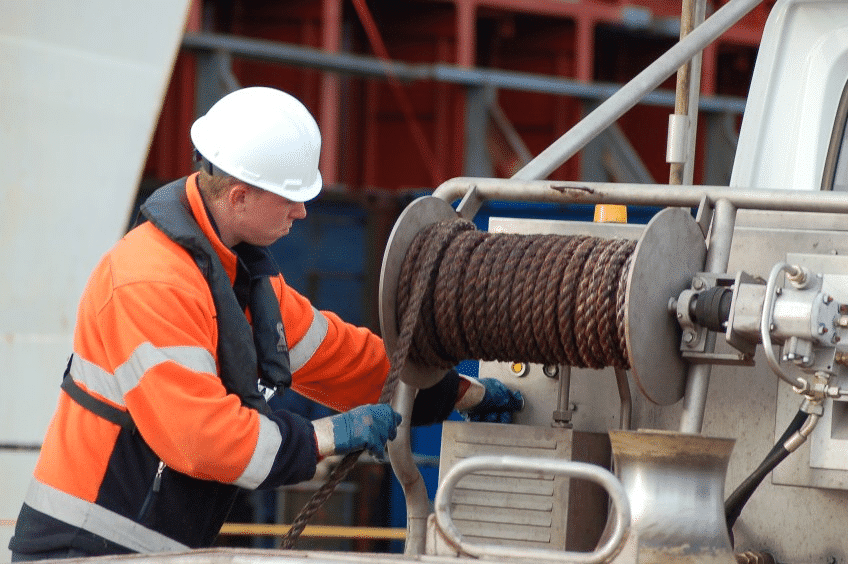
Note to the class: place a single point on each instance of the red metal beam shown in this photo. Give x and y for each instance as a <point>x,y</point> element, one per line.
<point>330,98</point>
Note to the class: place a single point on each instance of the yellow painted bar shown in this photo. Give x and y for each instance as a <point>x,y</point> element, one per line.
<point>315,531</point>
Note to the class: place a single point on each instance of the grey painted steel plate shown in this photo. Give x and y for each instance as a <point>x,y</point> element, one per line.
<point>419,214</point>
<point>670,252</point>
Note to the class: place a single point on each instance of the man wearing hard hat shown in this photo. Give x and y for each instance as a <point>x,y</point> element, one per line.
<point>160,420</point>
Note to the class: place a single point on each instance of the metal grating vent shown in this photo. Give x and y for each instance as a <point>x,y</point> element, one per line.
<point>515,509</point>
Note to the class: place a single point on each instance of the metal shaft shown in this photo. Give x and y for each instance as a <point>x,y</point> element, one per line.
<point>698,381</point>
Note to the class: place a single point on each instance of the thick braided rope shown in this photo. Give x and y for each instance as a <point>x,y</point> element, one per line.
<point>544,299</point>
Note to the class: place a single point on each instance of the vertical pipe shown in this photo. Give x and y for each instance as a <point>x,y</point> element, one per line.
<point>694,98</point>
<point>626,411</point>
<point>698,380</point>
<point>562,415</point>
<point>585,33</point>
<point>403,464</point>
<point>478,99</point>
<point>466,33</point>
<point>331,31</point>
<point>686,99</point>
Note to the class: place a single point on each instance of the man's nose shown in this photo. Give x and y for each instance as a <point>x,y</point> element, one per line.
<point>298,211</point>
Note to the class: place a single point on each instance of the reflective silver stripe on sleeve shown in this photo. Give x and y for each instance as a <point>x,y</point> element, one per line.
<point>264,455</point>
<point>300,354</point>
<point>98,520</point>
<point>143,358</point>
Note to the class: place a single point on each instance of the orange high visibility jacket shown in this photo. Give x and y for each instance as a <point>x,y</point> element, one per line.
<point>146,343</point>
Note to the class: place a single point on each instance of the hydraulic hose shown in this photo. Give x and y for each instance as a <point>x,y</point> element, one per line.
<point>737,500</point>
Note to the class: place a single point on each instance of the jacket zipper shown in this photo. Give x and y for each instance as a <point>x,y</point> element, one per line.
<point>157,480</point>
<point>157,484</point>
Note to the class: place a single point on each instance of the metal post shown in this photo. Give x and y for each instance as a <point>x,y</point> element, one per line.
<point>626,412</point>
<point>407,473</point>
<point>687,93</point>
<point>477,161</point>
<point>562,414</point>
<point>698,381</point>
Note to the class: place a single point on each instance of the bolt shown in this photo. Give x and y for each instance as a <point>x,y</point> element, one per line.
<point>778,291</point>
<point>688,337</point>
<point>826,298</point>
<point>698,284</point>
<point>822,329</point>
<point>790,356</point>
<point>672,305</point>
<point>835,339</point>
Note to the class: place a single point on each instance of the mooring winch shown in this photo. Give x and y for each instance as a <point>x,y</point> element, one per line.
<point>654,301</point>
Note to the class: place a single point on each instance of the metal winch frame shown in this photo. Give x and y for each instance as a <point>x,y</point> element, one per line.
<point>671,352</point>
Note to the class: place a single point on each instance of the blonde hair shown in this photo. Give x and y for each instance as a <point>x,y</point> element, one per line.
<point>215,186</point>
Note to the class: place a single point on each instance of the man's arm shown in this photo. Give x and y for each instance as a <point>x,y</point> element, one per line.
<point>484,399</point>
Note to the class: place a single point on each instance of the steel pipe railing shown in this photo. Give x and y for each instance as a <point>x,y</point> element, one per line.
<point>657,195</point>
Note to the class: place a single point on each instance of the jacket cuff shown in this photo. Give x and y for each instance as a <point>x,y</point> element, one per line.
<point>435,404</point>
<point>325,442</point>
<point>297,456</point>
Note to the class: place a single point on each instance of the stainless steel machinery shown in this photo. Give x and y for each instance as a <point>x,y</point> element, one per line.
<point>749,283</point>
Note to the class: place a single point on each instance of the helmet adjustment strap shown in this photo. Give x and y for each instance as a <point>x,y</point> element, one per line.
<point>205,164</point>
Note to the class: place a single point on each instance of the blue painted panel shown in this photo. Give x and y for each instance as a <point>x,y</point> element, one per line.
<point>323,257</point>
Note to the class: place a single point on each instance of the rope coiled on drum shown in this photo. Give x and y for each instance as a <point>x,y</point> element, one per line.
<point>546,299</point>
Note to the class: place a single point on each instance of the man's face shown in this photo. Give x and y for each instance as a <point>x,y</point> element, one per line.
<point>265,216</point>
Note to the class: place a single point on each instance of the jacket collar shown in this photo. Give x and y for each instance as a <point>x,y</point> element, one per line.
<point>198,210</point>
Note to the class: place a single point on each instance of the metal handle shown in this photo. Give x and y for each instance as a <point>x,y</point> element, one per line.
<point>540,467</point>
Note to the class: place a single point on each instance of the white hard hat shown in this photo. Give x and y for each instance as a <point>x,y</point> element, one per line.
<point>264,137</point>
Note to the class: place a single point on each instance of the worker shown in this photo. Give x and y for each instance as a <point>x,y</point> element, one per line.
<point>184,331</point>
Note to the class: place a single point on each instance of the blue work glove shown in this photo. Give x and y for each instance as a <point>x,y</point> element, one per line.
<point>497,405</point>
<point>366,427</point>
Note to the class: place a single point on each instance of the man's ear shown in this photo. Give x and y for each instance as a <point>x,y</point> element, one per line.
<point>237,195</point>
